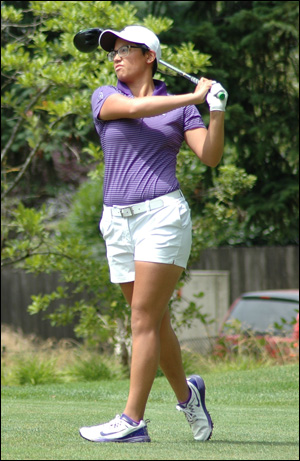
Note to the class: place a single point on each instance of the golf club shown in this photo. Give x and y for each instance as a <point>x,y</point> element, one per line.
<point>87,41</point>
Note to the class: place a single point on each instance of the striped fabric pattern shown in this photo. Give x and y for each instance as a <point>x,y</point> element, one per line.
<point>140,154</point>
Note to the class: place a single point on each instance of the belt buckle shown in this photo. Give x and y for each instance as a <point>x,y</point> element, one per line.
<point>129,208</point>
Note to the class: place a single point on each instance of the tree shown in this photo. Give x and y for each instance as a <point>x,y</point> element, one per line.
<point>254,53</point>
<point>47,85</point>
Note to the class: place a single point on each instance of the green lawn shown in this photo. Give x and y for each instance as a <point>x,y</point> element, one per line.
<point>255,412</point>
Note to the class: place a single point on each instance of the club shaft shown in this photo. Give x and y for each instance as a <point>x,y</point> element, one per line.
<point>220,95</point>
<point>180,72</point>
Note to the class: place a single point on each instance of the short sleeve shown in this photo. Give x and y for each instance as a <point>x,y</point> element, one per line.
<point>98,98</point>
<point>192,118</point>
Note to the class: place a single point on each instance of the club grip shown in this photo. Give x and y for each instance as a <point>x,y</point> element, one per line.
<point>220,95</point>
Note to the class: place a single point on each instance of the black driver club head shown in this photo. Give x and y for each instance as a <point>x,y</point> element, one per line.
<point>87,40</point>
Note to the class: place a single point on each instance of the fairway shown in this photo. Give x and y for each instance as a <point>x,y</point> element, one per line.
<point>255,414</point>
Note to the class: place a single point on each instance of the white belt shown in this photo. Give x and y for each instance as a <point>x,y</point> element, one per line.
<point>137,208</point>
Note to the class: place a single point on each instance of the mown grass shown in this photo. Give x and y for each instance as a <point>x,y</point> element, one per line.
<point>50,389</point>
<point>255,413</point>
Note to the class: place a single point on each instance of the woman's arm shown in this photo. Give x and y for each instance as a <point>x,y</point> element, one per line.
<point>208,144</point>
<point>118,106</point>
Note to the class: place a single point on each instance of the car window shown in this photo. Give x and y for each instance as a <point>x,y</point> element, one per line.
<point>260,315</point>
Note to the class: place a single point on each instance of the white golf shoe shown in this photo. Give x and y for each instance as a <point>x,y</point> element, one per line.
<point>119,429</point>
<point>195,410</point>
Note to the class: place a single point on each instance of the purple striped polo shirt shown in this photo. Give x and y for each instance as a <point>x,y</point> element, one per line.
<point>140,154</point>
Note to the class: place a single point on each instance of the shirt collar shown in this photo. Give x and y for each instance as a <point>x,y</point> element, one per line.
<point>160,88</point>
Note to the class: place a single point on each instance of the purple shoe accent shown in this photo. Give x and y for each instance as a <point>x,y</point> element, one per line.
<point>129,420</point>
<point>119,429</point>
<point>141,435</point>
<point>198,382</point>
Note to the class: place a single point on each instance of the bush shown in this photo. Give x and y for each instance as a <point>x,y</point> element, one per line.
<point>34,370</point>
<point>91,369</point>
<point>27,359</point>
<point>245,344</point>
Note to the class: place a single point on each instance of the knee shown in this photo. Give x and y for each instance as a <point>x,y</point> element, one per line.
<point>142,322</point>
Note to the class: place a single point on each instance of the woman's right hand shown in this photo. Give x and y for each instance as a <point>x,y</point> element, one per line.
<point>202,89</point>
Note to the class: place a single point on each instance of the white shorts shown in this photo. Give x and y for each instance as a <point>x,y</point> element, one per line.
<point>158,230</point>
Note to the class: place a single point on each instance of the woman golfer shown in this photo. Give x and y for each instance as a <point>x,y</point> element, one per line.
<point>146,221</point>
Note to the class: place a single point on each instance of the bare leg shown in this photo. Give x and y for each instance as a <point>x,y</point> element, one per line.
<point>171,361</point>
<point>149,296</point>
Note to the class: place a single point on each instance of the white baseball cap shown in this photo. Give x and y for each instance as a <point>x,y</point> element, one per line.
<point>135,34</point>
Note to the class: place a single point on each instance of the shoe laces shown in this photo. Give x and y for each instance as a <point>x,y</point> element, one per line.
<point>191,409</point>
<point>190,412</point>
<point>116,422</point>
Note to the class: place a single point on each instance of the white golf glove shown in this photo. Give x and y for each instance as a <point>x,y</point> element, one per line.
<point>213,99</point>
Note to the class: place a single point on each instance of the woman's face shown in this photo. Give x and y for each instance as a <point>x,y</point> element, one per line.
<point>133,66</point>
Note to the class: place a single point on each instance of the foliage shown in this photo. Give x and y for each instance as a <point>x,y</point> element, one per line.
<point>91,369</point>
<point>190,313</point>
<point>79,257</point>
<point>254,52</point>
<point>49,144</point>
<point>81,272</point>
<point>48,83</point>
<point>28,360</point>
<point>47,88</point>
<point>218,217</point>
<point>36,371</point>
<point>240,343</point>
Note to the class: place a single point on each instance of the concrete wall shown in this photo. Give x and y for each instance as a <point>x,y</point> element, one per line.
<point>215,286</point>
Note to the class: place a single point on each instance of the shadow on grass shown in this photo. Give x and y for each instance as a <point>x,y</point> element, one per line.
<point>248,442</point>
<point>227,442</point>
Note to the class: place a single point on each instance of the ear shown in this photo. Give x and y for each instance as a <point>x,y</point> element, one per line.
<point>151,55</point>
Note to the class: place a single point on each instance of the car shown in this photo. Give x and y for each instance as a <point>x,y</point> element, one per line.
<point>270,315</point>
